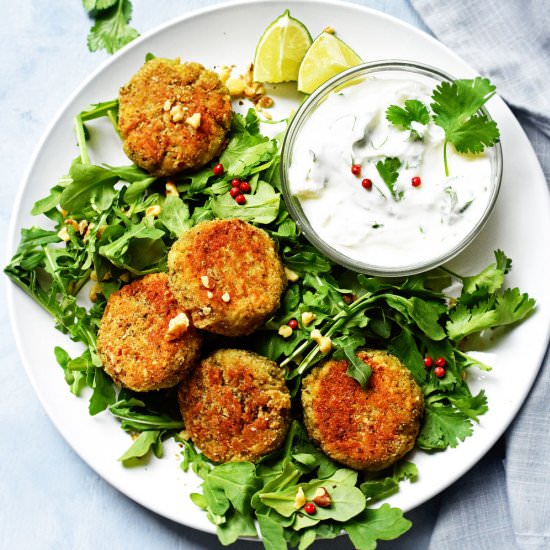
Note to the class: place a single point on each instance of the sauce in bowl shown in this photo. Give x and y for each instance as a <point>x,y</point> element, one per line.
<point>339,198</point>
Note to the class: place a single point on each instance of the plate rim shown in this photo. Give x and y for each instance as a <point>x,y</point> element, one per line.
<point>17,204</point>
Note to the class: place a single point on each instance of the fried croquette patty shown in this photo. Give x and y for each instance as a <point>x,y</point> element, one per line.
<point>366,429</point>
<point>235,406</point>
<point>142,341</point>
<point>173,117</point>
<point>228,274</point>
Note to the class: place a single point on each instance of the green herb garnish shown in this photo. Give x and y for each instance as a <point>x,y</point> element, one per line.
<point>455,109</point>
<point>389,172</point>
<point>111,30</point>
<point>455,105</point>
<point>414,111</point>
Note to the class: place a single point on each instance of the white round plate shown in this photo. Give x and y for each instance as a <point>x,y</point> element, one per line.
<point>223,35</point>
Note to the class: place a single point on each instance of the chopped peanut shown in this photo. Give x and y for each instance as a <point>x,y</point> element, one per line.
<point>167,105</point>
<point>177,113</point>
<point>226,297</point>
<point>63,234</point>
<point>291,275</point>
<point>205,281</point>
<point>154,210</point>
<point>308,317</point>
<point>82,226</point>
<point>236,86</point>
<point>285,331</point>
<point>194,120</point>
<point>299,499</point>
<point>325,345</point>
<point>177,326</point>
<point>171,190</point>
<point>210,295</point>
<point>329,29</point>
<point>322,498</point>
<point>94,291</point>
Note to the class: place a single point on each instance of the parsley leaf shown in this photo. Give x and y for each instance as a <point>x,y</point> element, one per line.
<point>455,105</point>
<point>414,111</point>
<point>111,30</point>
<point>389,172</point>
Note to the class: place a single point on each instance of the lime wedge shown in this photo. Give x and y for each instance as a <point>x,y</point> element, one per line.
<point>280,50</point>
<point>326,57</point>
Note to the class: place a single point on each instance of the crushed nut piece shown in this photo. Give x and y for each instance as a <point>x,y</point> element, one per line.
<point>236,86</point>
<point>226,297</point>
<point>308,317</point>
<point>82,226</point>
<point>72,223</point>
<point>285,331</point>
<point>210,295</point>
<point>171,190</point>
<point>322,498</point>
<point>225,73</point>
<point>291,275</point>
<point>265,102</point>
<point>93,275</point>
<point>316,335</point>
<point>63,234</point>
<point>125,277</point>
<point>325,344</point>
<point>177,113</point>
<point>329,29</point>
<point>205,281</point>
<point>94,291</point>
<point>206,310</point>
<point>194,120</point>
<point>167,105</point>
<point>177,326</point>
<point>299,499</point>
<point>153,210</point>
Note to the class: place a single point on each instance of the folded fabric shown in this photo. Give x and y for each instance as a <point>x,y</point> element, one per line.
<point>504,504</point>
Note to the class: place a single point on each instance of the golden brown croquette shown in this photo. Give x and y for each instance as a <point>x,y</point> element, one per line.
<point>235,406</point>
<point>228,274</point>
<point>365,429</point>
<point>145,340</point>
<point>173,116</point>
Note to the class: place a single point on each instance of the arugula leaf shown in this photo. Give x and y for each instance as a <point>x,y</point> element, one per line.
<point>455,105</point>
<point>262,207</point>
<point>384,523</point>
<point>357,369</point>
<point>175,216</point>
<point>111,30</point>
<point>146,442</point>
<point>389,172</point>
<point>236,525</point>
<point>414,111</point>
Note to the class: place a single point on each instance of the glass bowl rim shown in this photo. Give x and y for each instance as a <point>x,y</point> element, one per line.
<point>296,212</point>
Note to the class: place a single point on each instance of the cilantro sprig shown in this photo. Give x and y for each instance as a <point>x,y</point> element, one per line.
<point>455,107</point>
<point>111,30</point>
<point>389,172</point>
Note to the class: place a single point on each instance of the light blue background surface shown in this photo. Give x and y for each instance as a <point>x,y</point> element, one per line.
<point>49,498</point>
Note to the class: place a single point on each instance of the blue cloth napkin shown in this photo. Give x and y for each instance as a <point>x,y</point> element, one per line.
<point>504,502</point>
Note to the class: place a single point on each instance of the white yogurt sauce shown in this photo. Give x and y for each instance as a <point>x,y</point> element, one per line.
<point>371,226</point>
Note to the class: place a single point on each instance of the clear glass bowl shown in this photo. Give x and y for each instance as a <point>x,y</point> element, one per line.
<point>390,68</point>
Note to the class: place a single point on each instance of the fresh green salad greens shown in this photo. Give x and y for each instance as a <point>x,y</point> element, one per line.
<point>455,109</point>
<point>102,234</point>
<point>111,30</point>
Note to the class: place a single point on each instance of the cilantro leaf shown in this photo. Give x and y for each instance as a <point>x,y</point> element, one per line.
<point>389,172</point>
<point>464,320</point>
<point>414,111</point>
<point>513,306</point>
<point>455,105</point>
<point>444,426</point>
<point>111,30</point>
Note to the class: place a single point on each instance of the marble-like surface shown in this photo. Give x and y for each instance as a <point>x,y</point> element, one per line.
<point>49,498</point>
